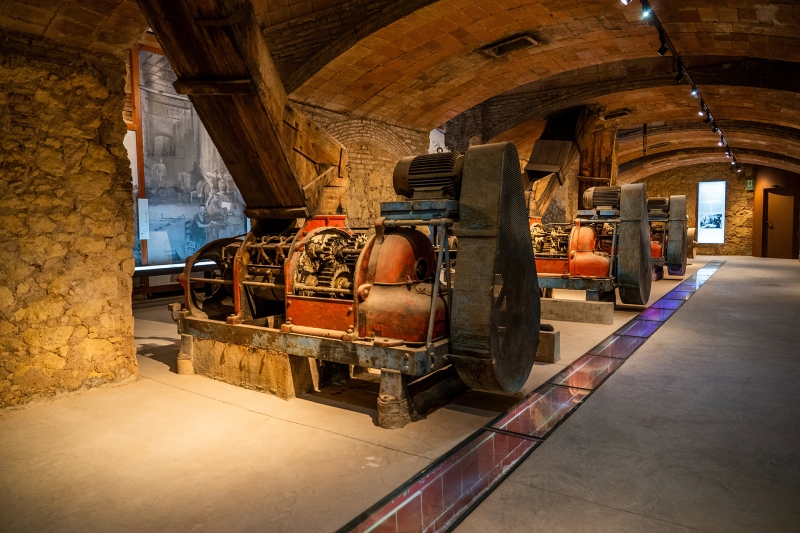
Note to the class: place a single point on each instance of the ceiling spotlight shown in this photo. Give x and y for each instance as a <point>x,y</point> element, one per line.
<point>645,13</point>
<point>701,113</point>
<point>626,2</point>
<point>733,162</point>
<point>708,118</point>
<point>679,77</point>
<point>728,154</point>
<point>738,168</point>
<point>719,143</point>
<point>714,128</point>
<point>694,92</point>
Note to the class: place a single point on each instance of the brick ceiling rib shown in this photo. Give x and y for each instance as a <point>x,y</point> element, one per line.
<point>106,26</point>
<point>424,69</point>
<point>652,164</point>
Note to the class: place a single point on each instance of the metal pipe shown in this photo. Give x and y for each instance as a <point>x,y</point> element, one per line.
<point>613,252</point>
<point>314,288</point>
<point>445,222</point>
<point>435,295</point>
<point>213,281</point>
<point>263,285</point>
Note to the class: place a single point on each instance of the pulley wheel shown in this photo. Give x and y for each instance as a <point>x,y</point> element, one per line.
<point>676,236</point>
<point>494,326</point>
<point>634,260</point>
<point>691,243</point>
<point>211,299</point>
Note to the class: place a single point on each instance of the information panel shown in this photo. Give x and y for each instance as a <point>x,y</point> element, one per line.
<point>711,212</point>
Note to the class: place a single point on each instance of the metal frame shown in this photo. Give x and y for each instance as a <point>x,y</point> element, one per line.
<point>412,361</point>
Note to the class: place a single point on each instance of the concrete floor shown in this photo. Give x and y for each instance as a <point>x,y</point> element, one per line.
<point>698,429</point>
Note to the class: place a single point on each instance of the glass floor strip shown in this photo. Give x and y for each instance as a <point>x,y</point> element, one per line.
<point>587,372</point>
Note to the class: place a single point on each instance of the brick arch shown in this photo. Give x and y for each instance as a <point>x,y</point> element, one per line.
<point>645,166</point>
<point>679,136</point>
<point>303,37</point>
<point>427,67</point>
<point>535,100</point>
<point>761,109</point>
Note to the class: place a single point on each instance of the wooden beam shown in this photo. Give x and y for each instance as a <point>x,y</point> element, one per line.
<point>222,62</point>
<point>215,87</point>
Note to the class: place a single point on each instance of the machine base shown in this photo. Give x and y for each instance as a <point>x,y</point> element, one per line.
<point>257,358</point>
<point>549,349</point>
<point>577,311</point>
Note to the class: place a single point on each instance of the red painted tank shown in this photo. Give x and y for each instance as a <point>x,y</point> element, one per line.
<point>583,261</point>
<point>394,283</point>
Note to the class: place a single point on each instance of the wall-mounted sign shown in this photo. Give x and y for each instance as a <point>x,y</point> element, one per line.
<point>144,219</point>
<point>749,185</point>
<point>711,212</point>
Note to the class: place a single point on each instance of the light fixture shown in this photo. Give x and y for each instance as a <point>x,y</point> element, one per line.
<point>664,48</point>
<point>682,73</point>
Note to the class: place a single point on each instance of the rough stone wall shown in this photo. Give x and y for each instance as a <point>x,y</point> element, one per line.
<point>66,223</point>
<point>738,205</point>
<point>373,150</point>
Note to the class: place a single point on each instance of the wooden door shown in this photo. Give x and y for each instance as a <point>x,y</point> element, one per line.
<point>778,225</point>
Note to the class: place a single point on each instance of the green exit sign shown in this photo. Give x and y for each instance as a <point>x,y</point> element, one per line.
<point>749,185</point>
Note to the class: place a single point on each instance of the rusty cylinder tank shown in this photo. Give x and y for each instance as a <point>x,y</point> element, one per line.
<point>394,286</point>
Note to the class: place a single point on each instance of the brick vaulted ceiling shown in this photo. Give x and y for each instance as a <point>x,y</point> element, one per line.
<point>420,64</point>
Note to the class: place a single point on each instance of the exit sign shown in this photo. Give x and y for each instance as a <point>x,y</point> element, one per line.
<point>749,185</point>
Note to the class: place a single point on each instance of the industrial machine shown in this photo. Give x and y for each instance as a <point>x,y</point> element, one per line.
<point>669,243</point>
<point>388,301</point>
<point>607,247</point>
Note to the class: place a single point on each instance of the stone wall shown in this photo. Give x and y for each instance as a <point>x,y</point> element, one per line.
<point>738,206</point>
<point>373,150</point>
<point>66,223</point>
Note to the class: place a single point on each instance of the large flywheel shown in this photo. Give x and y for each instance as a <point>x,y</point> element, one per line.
<point>634,260</point>
<point>495,316</point>
<point>677,235</point>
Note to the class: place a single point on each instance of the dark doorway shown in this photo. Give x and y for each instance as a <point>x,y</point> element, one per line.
<point>778,224</point>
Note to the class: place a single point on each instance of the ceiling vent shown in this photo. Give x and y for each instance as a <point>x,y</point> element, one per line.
<point>617,113</point>
<point>505,46</point>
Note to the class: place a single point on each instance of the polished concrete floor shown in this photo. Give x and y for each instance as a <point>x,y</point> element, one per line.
<point>698,431</point>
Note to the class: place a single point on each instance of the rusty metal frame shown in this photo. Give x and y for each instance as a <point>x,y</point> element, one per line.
<point>412,361</point>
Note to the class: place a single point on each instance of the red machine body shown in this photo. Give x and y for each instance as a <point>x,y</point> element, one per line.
<point>585,259</point>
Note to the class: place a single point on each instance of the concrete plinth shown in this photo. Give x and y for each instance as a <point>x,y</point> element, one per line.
<point>578,311</point>
<point>271,371</point>
<point>549,350</point>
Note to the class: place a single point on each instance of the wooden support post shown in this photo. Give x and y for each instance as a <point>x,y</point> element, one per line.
<point>598,159</point>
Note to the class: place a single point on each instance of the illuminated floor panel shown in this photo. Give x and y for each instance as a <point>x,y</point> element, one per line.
<point>618,346</point>
<point>437,498</point>
<point>443,494</point>
<point>587,372</point>
<point>538,414</point>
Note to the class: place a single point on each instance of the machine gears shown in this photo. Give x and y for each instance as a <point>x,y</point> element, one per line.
<point>324,268</point>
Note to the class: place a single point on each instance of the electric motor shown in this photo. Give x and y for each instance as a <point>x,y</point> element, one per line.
<point>429,176</point>
<point>596,197</point>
